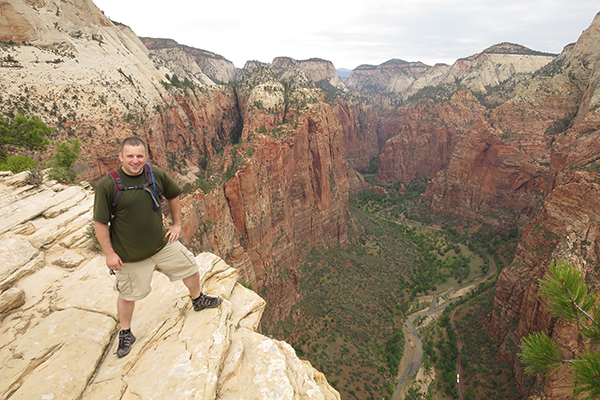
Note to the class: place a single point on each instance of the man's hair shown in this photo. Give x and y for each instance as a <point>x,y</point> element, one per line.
<point>133,141</point>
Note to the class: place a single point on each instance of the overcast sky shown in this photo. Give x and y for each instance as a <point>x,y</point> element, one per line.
<point>354,32</point>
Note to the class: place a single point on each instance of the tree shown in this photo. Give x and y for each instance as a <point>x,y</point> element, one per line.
<point>25,131</point>
<point>570,298</point>
<point>63,160</point>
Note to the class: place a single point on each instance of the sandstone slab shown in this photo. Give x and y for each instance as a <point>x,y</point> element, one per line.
<point>58,332</point>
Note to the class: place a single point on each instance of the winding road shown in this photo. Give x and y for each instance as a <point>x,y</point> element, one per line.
<point>413,347</point>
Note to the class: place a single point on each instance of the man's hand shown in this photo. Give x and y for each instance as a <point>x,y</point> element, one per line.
<point>114,262</point>
<point>173,232</point>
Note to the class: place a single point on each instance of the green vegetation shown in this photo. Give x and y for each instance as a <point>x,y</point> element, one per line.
<point>554,67</point>
<point>24,131</point>
<point>61,163</point>
<point>448,352</point>
<point>17,164</point>
<point>394,348</point>
<point>560,126</point>
<point>174,81</point>
<point>569,298</point>
<point>484,375</point>
<point>511,48</point>
<point>373,166</point>
<point>348,323</point>
<point>356,298</point>
<point>90,233</point>
<point>29,133</point>
<point>438,94</point>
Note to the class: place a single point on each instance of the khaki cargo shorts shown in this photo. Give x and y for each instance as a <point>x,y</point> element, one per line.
<point>134,279</point>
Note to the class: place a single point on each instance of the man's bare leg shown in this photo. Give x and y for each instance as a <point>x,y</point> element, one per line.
<point>193,284</point>
<point>126,339</point>
<point>125,310</point>
<point>199,300</point>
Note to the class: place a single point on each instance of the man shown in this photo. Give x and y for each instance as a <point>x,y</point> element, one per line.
<point>136,243</point>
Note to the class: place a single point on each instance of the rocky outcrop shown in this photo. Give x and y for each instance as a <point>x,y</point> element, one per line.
<point>107,90</point>
<point>315,69</point>
<point>498,169</point>
<point>186,61</point>
<point>59,329</point>
<point>567,228</point>
<point>427,135</point>
<point>64,35</point>
<point>567,225</point>
<point>363,133</point>
<point>290,191</point>
<point>50,23</point>
<point>395,81</point>
<point>380,78</point>
<point>92,79</point>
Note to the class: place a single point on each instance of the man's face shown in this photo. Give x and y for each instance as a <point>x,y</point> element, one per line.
<point>132,159</point>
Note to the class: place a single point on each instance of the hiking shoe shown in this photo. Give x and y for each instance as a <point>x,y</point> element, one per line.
<point>126,339</point>
<point>203,301</point>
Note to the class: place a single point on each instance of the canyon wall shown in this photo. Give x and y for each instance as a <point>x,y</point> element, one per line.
<point>508,137</point>
<point>512,150</point>
<point>263,165</point>
<point>567,226</point>
<point>395,81</point>
<point>188,62</point>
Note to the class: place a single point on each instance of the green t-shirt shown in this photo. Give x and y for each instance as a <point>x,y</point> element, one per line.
<point>137,231</point>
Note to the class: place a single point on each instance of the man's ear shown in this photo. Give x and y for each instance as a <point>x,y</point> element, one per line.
<point>120,157</point>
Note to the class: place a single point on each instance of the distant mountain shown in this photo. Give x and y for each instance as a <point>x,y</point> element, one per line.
<point>512,48</point>
<point>344,73</point>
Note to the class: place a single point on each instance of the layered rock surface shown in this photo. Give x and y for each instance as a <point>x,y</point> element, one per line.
<point>186,61</point>
<point>58,331</point>
<point>397,80</point>
<point>567,226</point>
<point>290,192</point>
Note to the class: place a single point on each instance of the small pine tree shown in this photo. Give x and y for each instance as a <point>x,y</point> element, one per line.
<point>569,298</point>
<point>25,131</point>
<point>63,160</point>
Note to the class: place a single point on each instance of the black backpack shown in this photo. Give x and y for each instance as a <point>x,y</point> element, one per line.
<point>150,186</point>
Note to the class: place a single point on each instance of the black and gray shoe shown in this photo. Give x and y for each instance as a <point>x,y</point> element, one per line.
<point>126,339</point>
<point>203,301</point>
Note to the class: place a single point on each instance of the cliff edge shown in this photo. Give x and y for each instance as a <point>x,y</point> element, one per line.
<point>58,329</point>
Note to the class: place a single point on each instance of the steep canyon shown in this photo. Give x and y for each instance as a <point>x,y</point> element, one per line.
<point>268,155</point>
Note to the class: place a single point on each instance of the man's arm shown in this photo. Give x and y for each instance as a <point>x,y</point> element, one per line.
<point>113,261</point>
<point>174,230</point>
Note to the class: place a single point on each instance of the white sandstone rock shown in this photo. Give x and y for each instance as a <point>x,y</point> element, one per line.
<point>58,334</point>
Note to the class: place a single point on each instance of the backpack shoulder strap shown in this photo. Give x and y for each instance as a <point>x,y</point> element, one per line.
<point>155,189</point>
<point>119,187</point>
<point>150,186</point>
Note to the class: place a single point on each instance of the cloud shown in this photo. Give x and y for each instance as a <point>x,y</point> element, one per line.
<point>354,32</point>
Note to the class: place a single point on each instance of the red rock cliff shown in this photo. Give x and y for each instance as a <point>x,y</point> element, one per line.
<point>568,225</point>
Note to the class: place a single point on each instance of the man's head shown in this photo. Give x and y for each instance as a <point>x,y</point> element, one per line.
<point>132,156</point>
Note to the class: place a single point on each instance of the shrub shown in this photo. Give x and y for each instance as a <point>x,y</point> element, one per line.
<point>18,164</point>
<point>24,131</point>
<point>34,176</point>
<point>63,160</point>
<point>570,298</point>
